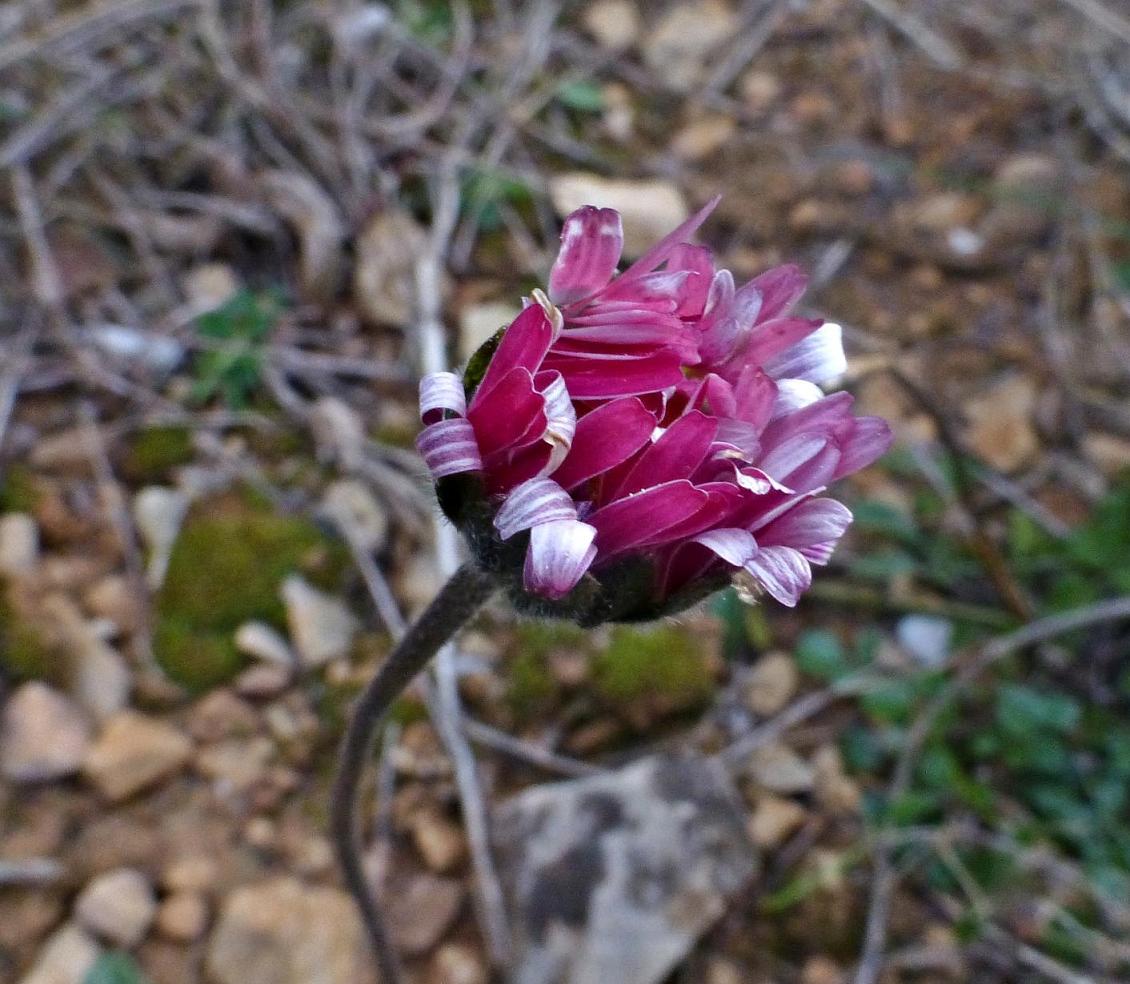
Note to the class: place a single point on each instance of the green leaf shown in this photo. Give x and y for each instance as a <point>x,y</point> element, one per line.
<point>820,653</point>
<point>584,96</point>
<point>1023,711</point>
<point>115,968</point>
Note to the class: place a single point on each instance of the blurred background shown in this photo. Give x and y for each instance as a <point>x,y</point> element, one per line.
<point>232,237</point>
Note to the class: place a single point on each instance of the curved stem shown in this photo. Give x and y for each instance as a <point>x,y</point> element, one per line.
<point>457,601</point>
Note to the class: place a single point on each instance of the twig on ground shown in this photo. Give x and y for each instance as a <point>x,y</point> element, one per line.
<point>915,30</point>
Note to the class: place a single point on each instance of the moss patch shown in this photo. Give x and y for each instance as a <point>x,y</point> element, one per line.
<point>24,653</point>
<point>665,666</point>
<point>152,453</point>
<point>226,567</point>
<point>18,491</point>
<point>530,687</point>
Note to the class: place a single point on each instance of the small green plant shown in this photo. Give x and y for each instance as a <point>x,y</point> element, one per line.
<point>232,366</point>
<point>115,967</point>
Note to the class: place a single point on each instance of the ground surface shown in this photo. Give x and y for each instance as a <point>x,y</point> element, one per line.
<point>229,235</point>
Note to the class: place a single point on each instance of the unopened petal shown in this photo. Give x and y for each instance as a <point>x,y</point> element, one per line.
<point>449,447</point>
<point>591,241</point>
<point>441,392</point>
<point>783,572</point>
<point>539,500</point>
<point>560,417</point>
<point>815,359</point>
<point>560,552</point>
<point>736,547</point>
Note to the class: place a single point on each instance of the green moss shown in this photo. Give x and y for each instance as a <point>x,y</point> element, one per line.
<point>155,451</point>
<point>225,569</point>
<point>530,687</point>
<point>542,637</point>
<point>18,491</point>
<point>24,653</point>
<point>665,664</point>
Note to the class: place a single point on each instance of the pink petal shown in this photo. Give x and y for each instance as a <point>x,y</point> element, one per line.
<point>560,414</point>
<point>812,522</point>
<point>627,522</point>
<point>591,241</point>
<point>539,500</point>
<point>560,552</point>
<point>510,468</point>
<point>449,447</point>
<point>794,395</point>
<point>677,453</point>
<point>523,346</point>
<point>611,434</point>
<point>736,547</point>
<point>815,359</point>
<point>668,244</point>
<point>780,289</point>
<point>825,415</point>
<point>512,414</point>
<point>699,262</point>
<point>605,378</point>
<point>783,572</point>
<point>870,439</point>
<point>440,392</point>
<point>819,553</point>
<point>767,340</point>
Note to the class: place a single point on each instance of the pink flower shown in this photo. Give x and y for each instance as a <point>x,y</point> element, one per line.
<point>659,432</point>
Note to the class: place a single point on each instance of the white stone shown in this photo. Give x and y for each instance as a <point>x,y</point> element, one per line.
<point>649,208</point>
<point>134,752</point>
<point>384,277</point>
<point>780,769</point>
<point>159,512</point>
<point>19,543</point>
<point>350,504</point>
<point>678,49</point>
<point>262,641</point>
<point>321,627</point>
<point>66,958</point>
<point>118,906</point>
<point>925,639</point>
<point>43,735</point>
<point>615,24</point>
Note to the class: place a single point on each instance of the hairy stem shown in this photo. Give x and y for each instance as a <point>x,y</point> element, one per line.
<point>459,599</point>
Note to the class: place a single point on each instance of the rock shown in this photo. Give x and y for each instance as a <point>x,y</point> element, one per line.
<point>313,215</point>
<point>925,639</point>
<point>159,512</point>
<point>614,877</point>
<point>338,432</point>
<point>209,286</point>
<point>133,753</point>
<point>125,343</point>
<point>350,504</point>
<point>698,140</point>
<point>760,90</point>
<point>779,769</point>
<point>118,906</point>
<point>1027,191</point>
<point>479,322</point>
<point>263,641</point>
<point>66,958</point>
<point>221,714</point>
<point>457,963</point>
<point>771,684</point>
<point>284,932</point>
<point>19,543</point>
<point>440,842</point>
<point>183,917</point>
<point>421,908</point>
<point>235,765</point>
<point>1109,453</point>
<point>834,789</point>
<point>821,970</point>
<point>1000,424</point>
<point>384,278</point>
<point>774,820</point>
<point>649,209</point>
<point>194,873</point>
<point>43,735</point>
<point>113,597</point>
<point>677,49</point>
<point>97,675</point>
<point>321,627</point>
<point>614,24</point>
<point>940,212</point>
<point>65,451</point>
<point>267,680</point>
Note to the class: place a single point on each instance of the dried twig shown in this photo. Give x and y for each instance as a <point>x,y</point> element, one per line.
<point>914,29</point>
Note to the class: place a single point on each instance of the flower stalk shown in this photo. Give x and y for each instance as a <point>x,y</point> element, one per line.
<point>459,599</point>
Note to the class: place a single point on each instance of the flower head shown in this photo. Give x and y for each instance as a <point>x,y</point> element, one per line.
<point>635,440</point>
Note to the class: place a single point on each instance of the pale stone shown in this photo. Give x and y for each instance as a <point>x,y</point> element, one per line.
<point>66,958</point>
<point>649,209</point>
<point>183,917</point>
<point>678,49</point>
<point>194,873</point>
<point>440,842</point>
<point>209,286</point>
<point>284,932</point>
<point>1109,453</point>
<point>263,641</point>
<point>43,735</point>
<point>1000,429</point>
<point>773,820</point>
<point>384,277</point>
<point>158,513</point>
<point>134,752</point>
<point>698,140</point>
<point>457,963</point>
<point>614,24</point>
<point>349,503</point>
<point>479,323</point>
<point>771,684</point>
<point>321,627</point>
<point>19,543</point>
<point>118,906</point>
<point>780,769</point>
<point>421,908</point>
